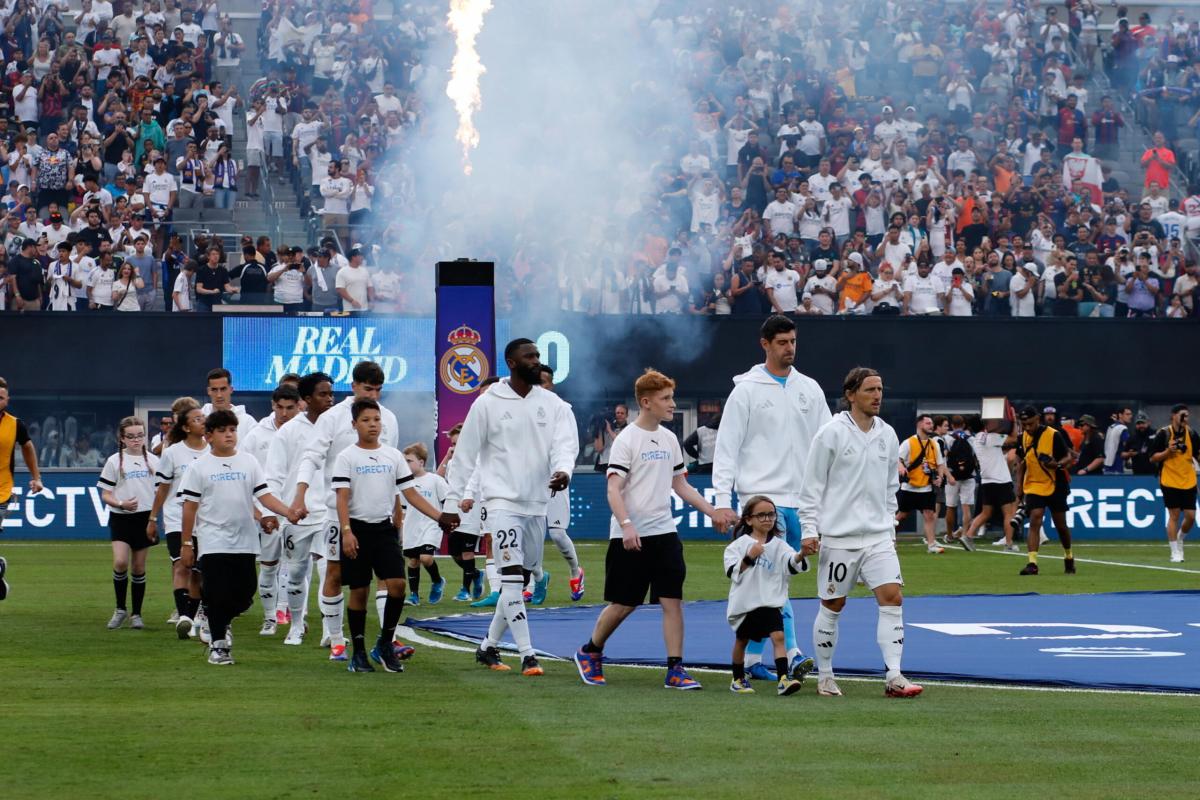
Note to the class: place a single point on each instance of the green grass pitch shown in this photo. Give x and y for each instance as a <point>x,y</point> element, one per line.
<point>85,712</point>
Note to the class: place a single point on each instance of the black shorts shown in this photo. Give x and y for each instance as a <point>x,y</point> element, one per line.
<point>915,501</point>
<point>422,550</point>
<point>228,581</point>
<point>463,543</point>
<point>1179,498</point>
<point>1054,502</point>
<point>996,495</point>
<point>130,529</point>
<point>658,568</point>
<point>174,545</point>
<point>378,552</point>
<point>760,623</point>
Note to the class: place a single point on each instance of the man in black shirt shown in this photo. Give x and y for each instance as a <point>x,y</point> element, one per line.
<point>94,233</point>
<point>26,277</point>
<point>1091,452</point>
<point>212,280</point>
<point>1140,446</point>
<point>253,278</point>
<point>1068,287</point>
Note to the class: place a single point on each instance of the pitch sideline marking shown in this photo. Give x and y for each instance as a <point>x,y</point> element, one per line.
<point>1098,561</point>
<point>411,635</point>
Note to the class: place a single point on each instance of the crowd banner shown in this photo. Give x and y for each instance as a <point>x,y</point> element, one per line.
<point>464,339</point>
<point>1102,508</point>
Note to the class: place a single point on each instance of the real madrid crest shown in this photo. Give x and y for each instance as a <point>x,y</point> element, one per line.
<point>464,366</point>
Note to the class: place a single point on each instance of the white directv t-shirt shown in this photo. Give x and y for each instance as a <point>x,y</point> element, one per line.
<point>649,462</point>
<point>171,468</point>
<point>132,480</point>
<point>420,530</point>
<point>374,477</point>
<point>224,488</point>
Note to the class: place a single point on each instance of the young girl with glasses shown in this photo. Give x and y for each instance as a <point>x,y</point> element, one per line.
<point>127,487</point>
<point>759,562</point>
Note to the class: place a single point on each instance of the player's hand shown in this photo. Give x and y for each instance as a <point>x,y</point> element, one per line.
<point>298,510</point>
<point>466,505</point>
<point>36,487</point>
<point>630,538</point>
<point>269,524</point>
<point>559,481</point>
<point>810,546</point>
<point>129,505</point>
<point>152,531</point>
<point>349,544</point>
<point>725,520</point>
<point>187,555</point>
<point>449,522</point>
<point>755,550</point>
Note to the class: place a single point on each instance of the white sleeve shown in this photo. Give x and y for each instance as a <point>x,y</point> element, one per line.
<point>258,481</point>
<point>816,476</point>
<point>564,448</point>
<point>734,552</point>
<point>620,458</point>
<point>466,454</point>
<point>340,477</point>
<point>109,475</point>
<point>893,477</point>
<point>729,442</point>
<point>166,468</point>
<point>277,466</point>
<point>313,457</point>
<point>192,485</point>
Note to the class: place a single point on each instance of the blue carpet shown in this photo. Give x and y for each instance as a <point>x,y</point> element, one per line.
<point>1132,640</point>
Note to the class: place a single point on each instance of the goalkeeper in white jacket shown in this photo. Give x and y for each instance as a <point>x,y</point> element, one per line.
<point>848,499</point>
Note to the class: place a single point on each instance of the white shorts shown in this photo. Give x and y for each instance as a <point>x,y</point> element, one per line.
<point>270,546</point>
<point>838,570</point>
<point>961,493</point>
<point>297,540</point>
<point>558,510</point>
<point>331,539</point>
<point>517,540</point>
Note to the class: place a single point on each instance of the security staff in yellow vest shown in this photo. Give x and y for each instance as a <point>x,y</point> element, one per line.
<point>922,468</point>
<point>1043,483</point>
<point>1174,452</point>
<point>13,435</point>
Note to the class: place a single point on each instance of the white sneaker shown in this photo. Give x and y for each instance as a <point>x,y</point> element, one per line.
<point>136,622</point>
<point>183,627</point>
<point>171,620</point>
<point>295,633</point>
<point>1011,548</point>
<point>1042,538</point>
<point>205,633</point>
<point>827,687</point>
<point>269,626</point>
<point>999,542</point>
<point>325,640</point>
<point>901,686</point>
<point>935,549</point>
<point>219,653</point>
<point>118,619</point>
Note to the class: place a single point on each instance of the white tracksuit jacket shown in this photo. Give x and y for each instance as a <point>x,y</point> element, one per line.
<point>283,466</point>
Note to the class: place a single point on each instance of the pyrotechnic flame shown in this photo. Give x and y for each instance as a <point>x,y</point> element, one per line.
<point>466,20</point>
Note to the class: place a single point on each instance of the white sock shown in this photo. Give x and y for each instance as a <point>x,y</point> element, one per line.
<point>281,585</point>
<point>889,632</point>
<point>307,584</point>
<point>297,591</point>
<point>825,636</point>
<point>752,659</point>
<point>496,629</point>
<point>512,604</point>
<point>493,575</point>
<point>536,574</point>
<point>380,602</point>
<point>1176,547</point>
<point>331,617</point>
<point>322,568</point>
<point>567,547</point>
<point>268,579</point>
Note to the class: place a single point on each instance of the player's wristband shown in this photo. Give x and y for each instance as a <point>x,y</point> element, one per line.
<point>346,529</point>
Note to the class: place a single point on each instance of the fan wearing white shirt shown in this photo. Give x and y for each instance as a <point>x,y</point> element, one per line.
<point>847,508</point>
<point>353,284</point>
<point>923,292</point>
<point>645,553</point>
<point>369,479</point>
<point>219,526</point>
<point>960,296</point>
<point>780,284</point>
<point>780,214</point>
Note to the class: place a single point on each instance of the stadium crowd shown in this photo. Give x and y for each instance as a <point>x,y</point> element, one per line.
<point>920,158</point>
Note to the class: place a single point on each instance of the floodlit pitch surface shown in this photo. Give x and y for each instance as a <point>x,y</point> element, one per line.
<point>140,714</point>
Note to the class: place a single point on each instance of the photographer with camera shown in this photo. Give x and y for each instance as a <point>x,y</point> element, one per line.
<point>1174,451</point>
<point>287,278</point>
<point>1043,484</point>
<point>922,468</point>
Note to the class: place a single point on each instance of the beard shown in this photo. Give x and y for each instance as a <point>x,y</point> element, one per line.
<point>531,375</point>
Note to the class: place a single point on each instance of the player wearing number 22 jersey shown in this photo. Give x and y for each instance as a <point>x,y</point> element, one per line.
<point>849,500</point>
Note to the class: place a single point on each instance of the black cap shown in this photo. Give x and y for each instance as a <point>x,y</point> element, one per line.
<point>1029,412</point>
<point>1175,409</point>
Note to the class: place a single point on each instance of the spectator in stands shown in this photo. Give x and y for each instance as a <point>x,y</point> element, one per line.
<point>1158,161</point>
<point>354,284</point>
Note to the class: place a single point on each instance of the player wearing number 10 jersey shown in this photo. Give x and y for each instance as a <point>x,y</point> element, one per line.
<point>849,501</point>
